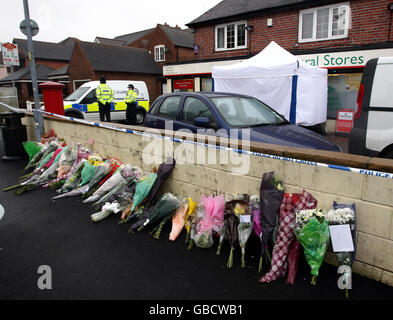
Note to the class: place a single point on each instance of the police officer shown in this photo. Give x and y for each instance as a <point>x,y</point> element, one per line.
<point>104,97</point>
<point>131,105</point>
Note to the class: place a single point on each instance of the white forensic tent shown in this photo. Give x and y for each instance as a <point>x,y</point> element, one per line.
<point>290,86</point>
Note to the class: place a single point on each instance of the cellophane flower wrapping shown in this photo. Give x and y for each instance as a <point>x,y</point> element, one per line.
<point>271,194</point>
<point>106,210</point>
<point>114,164</point>
<point>196,219</point>
<point>244,230</point>
<point>47,148</point>
<point>312,231</point>
<point>106,187</point>
<point>191,211</point>
<point>32,148</point>
<point>142,189</point>
<point>300,201</point>
<point>74,179</point>
<point>344,214</point>
<point>212,220</point>
<point>231,221</point>
<point>87,173</point>
<point>122,188</point>
<point>167,204</point>
<point>285,237</point>
<point>178,220</point>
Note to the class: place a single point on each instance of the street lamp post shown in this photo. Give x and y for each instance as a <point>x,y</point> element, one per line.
<point>38,119</point>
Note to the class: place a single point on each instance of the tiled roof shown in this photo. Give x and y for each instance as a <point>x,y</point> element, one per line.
<point>131,37</point>
<point>179,37</point>
<point>48,50</point>
<point>24,74</point>
<point>119,59</point>
<point>228,8</point>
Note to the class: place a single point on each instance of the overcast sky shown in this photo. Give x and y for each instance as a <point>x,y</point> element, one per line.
<point>86,19</point>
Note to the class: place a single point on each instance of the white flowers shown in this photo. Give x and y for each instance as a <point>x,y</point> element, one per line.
<point>340,216</point>
<point>304,216</point>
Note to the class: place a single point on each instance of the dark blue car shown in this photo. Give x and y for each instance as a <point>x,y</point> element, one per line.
<point>224,111</point>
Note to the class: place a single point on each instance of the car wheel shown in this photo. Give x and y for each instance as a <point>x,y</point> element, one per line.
<point>140,116</point>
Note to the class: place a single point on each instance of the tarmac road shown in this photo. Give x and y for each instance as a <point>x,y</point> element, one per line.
<point>102,261</point>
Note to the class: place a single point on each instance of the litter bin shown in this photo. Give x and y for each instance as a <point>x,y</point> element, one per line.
<point>14,133</point>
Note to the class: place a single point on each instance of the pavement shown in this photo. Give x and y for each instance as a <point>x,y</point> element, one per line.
<point>90,261</point>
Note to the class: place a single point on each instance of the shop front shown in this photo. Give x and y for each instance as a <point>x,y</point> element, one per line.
<point>345,71</point>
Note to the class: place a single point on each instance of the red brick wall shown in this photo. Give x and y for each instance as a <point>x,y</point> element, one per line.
<point>369,25</point>
<point>185,54</point>
<point>159,37</point>
<point>80,67</point>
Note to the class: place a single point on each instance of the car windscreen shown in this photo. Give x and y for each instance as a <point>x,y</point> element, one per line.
<point>77,94</point>
<point>246,112</point>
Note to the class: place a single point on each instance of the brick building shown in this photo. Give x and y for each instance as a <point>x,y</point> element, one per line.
<point>165,43</point>
<point>338,35</point>
<point>49,57</point>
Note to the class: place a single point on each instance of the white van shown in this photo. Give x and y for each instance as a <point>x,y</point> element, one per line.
<point>82,103</point>
<point>372,133</point>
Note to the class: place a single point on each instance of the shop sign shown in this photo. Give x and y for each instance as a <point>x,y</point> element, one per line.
<point>344,122</point>
<point>10,54</point>
<point>183,84</point>
<point>344,59</point>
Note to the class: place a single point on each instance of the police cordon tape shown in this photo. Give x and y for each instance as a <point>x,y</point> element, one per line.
<point>253,153</point>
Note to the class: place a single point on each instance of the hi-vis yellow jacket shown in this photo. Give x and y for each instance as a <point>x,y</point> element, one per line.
<point>104,93</point>
<point>131,96</point>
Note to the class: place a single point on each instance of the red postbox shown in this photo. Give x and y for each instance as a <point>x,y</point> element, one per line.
<point>53,97</point>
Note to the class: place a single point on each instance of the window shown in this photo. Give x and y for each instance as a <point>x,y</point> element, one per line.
<point>231,36</point>
<point>159,53</point>
<point>324,23</point>
<point>194,108</point>
<point>169,107</point>
<point>342,92</point>
<point>245,112</point>
<point>89,98</point>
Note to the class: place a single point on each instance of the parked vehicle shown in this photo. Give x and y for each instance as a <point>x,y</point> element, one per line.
<point>82,103</point>
<point>372,132</point>
<point>224,111</point>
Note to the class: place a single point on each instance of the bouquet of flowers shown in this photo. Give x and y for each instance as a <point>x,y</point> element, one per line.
<point>231,221</point>
<point>41,154</point>
<point>312,231</point>
<point>271,194</point>
<point>195,219</point>
<point>72,182</point>
<point>344,214</point>
<point>111,182</point>
<point>167,204</point>
<point>32,148</point>
<point>244,227</point>
<point>212,220</point>
<point>106,210</point>
<point>284,239</point>
<point>190,215</point>
<point>178,219</point>
<point>163,172</point>
<point>142,189</point>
